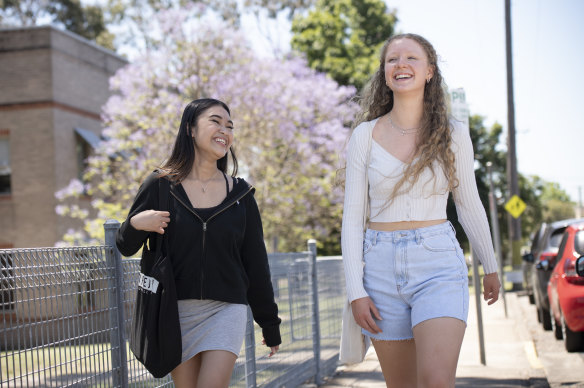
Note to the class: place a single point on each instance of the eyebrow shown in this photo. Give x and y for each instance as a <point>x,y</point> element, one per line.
<point>221,118</point>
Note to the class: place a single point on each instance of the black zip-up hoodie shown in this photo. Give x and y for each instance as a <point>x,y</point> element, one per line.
<point>222,259</point>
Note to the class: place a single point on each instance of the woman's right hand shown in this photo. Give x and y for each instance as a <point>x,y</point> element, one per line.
<point>363,311</point>
<point>151,221</point>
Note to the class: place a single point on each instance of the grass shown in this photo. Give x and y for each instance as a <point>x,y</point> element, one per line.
<point>55,361</point>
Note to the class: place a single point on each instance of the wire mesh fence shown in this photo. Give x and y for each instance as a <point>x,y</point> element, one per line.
<point>66,316</point>
<point>55,328</point>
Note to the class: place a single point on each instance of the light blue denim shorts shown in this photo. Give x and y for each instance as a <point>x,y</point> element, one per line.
<point>414,275</point>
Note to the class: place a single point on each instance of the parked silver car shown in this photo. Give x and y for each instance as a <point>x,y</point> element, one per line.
<point>528,259</point>
<point>539,263</point>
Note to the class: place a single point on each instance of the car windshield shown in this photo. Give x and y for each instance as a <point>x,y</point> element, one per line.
<point>579,243</point>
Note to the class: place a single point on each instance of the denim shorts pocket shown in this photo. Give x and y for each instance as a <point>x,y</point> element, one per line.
<point>366,246</point>
<point>459,253</point>
<point>438,243</point>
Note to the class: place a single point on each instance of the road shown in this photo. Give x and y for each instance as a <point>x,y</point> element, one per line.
<point>562,369</point>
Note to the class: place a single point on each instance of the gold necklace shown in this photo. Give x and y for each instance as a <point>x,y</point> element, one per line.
<point>402,130</point>
<point>204,187</point>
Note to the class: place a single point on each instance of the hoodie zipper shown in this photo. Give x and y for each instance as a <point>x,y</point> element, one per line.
<point>189,208</point>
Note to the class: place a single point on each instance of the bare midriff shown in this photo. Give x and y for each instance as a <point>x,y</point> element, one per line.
<point>403,225</point>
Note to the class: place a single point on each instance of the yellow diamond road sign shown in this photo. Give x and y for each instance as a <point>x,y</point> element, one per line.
<point>515,206</point>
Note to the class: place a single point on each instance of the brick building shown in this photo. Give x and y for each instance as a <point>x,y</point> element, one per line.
<point>52,87</point>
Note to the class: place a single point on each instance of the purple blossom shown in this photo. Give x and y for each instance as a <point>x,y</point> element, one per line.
<point>74,189</point>
<point>289,121</point>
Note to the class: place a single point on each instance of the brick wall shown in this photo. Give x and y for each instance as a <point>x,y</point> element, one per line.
<point>51,82</point>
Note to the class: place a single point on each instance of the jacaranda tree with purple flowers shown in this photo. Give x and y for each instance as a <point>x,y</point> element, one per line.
<point>291,127</point>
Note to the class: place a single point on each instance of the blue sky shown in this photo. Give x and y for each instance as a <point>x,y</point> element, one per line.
<point>548,61</point>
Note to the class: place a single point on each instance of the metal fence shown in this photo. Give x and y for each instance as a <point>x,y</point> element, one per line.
<point>66,315</point>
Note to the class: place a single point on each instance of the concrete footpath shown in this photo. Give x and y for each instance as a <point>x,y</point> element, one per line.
<point>511,358</point>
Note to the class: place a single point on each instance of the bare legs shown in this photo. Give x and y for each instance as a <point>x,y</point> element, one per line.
<point>398,362</point>
<point>428,361</point>
<point>211,369</point>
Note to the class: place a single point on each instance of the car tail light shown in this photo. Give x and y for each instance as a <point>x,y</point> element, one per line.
<point>570,272</point>
<point>549,256</point>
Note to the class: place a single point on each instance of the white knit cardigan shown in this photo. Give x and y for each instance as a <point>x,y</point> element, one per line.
<point>418,203</point>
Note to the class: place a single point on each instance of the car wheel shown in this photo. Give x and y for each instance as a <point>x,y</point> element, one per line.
<point>545,318</point>
<point>572,339</point>
<point>556,328</point>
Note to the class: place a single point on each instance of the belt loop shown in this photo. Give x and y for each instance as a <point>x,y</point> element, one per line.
<point>418,237</point>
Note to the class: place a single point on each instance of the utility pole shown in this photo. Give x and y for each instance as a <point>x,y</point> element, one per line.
<point>512,181</point>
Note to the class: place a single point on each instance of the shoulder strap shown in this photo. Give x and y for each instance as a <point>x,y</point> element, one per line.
<point>226,184</point>
<point>163,192</point>
<point>366,208</point>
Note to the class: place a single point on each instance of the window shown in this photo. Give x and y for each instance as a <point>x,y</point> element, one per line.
<point>83,149</point>
<point>562,248</point>
<point>579,243</point>
<point>537,238</point>
<point>556,237</point>
<point>5,170</point>
<point>86,141</point>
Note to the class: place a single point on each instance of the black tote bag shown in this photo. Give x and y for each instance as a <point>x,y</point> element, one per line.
<point>155,338</point>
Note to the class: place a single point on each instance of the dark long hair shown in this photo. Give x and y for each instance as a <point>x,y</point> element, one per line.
<point>181,160</point>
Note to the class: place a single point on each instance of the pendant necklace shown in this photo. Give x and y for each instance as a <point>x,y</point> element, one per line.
<point>204,187</point>
<point>403,131</point>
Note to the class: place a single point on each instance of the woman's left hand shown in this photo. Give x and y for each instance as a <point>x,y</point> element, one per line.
<point>491,286</point>
<point>273,349</point>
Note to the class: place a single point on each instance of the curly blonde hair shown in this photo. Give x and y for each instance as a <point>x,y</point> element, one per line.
<point>434,140</point>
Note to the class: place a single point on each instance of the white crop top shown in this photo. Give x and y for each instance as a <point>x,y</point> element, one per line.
<point>425,200</point>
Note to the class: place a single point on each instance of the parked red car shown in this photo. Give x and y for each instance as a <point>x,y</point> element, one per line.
<point>566,290</point>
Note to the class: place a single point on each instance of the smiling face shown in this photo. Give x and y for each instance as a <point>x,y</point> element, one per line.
<point>406,66</point>
<point>213,133</point>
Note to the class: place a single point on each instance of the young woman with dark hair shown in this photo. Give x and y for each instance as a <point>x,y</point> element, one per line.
<point>215,238</point>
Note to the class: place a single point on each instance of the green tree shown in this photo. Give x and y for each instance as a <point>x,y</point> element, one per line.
<point>22,12</point>
<point>486,148</point>
<point>343,37</point>
<point>556,203</point>
<point>85,20</point>
<point>273,7</point>
<point>556,210</point>
<point>546,201</point>
<point>530,189</point>
<point>553,191</point>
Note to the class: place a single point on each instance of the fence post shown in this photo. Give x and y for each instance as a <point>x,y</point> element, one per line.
<point>496,234</point>
<point>116,304</point>
<point>477,289</point>
<point>315,313</point>
<point>250,361</point>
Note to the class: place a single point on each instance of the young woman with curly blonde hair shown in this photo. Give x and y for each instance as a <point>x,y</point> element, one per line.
<point>406,275</point>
